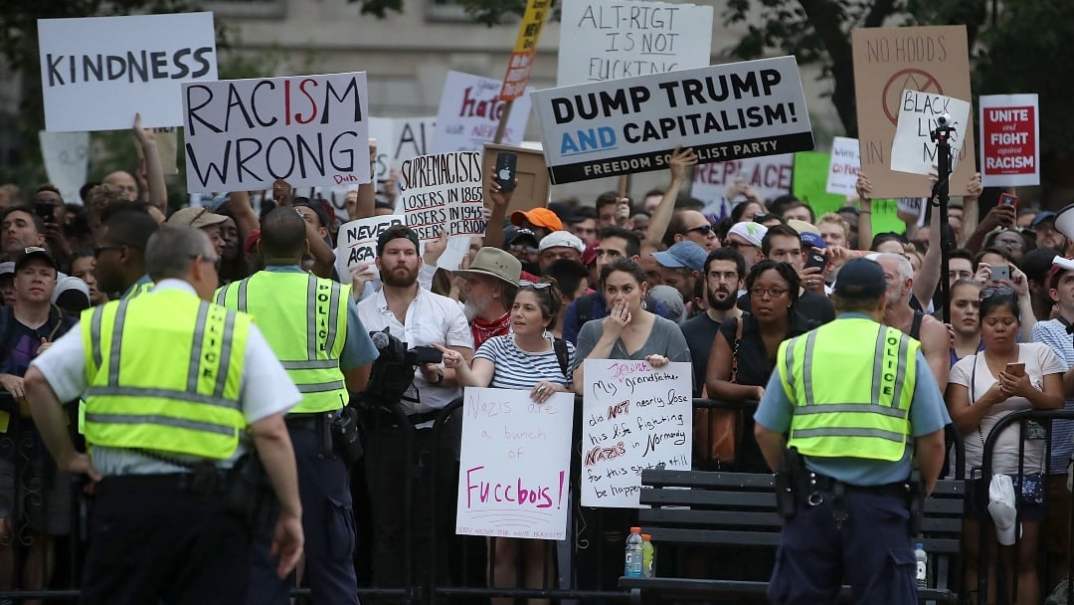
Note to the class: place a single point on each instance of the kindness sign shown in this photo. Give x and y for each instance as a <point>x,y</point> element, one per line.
<point>724,112</point>
<point>306,130</point>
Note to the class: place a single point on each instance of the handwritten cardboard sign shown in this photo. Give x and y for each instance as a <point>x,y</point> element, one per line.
<point>634,417</point>
<point>912,149</point>
<point>443,191</point>
<point>514,470</point>
<point>66,156</point>
<point>1010,140</point>
<point>612,39</point>
<point>844,167</point>
<point>470,110</point>
<point>356,242</point>
<point>96,73</point>
<point>724,112</point>
<point>306,130</point>
<point>888,61</point>
<point>769,176</point>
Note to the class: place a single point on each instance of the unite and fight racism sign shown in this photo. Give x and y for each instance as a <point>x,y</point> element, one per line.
<point>1010,140</point>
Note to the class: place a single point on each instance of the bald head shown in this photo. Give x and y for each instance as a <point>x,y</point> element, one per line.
<point>124,181</point>
<point>283,234</point>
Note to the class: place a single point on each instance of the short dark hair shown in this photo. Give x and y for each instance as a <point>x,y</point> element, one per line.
<point>887,236</point>
<point>112,209</point>
<point>583,213</point>
<point>799,204</point>
<point>568,275</point>
<point>1006,255</point>
<point>997,298</point>
<point>727,254</point>
<point>283,234</point>
<point>396,232</point>
<point>633,242</point>
<point>131,227</point>
<point>777,205</point>
<point>606,199</point>
<point>777,231</point>
<point>785,271</point>
<point>961,253</point>
<point>38,222</point>
<point>626,266</point>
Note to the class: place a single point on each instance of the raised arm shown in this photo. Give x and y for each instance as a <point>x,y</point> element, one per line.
<point>681,161</point>
<point>158,189</point>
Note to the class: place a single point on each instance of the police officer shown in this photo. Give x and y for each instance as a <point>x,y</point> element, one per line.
<point>313,327</point>
<point>850,395</point>
<point>173,384</point>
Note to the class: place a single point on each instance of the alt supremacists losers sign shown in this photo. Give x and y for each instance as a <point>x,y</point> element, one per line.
<point>96,73</point>
<point>724,112</point>
<point>306,130</point>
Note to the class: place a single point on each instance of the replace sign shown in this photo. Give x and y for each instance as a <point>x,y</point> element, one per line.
<point>1010,141</point>
<point>96,73</point>
<point>724,112</point>
<point>306,130</point>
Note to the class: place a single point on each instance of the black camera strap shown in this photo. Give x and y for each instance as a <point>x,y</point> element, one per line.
<point>560,347</point>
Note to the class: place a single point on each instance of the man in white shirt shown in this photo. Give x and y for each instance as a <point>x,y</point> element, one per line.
<point>418,317</point>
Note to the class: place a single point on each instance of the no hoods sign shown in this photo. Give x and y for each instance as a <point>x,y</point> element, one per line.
<point>1010,135</point>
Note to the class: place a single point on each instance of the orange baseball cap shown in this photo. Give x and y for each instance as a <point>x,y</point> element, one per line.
<point>538,217</point>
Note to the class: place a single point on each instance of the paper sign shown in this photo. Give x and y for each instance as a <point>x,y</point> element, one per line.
<point>96,73</point>
<point>356,242</point>
<point>514,470</point>
<point>810,180</point>
<point>168,150</point>
<point>399,139</point>
<point>913,150</point>
<point>612,39</point>
<point>443,191</point>
<point>769,176</point>
<point>634,417</point>
<point>521,63</point>
<point>844,166</point>
<point>306,130</point>
<point>1010,140</point>
<point>725,112</point>
<point>66,156</point>
<point>888,61</point>
<point>470,110</point>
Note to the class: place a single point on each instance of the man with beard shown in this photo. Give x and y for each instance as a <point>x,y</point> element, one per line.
<point>898,313</point>
<point>491,284</point>
<point>724,270</point>
<point>120,250</point>
<point>418,317</point>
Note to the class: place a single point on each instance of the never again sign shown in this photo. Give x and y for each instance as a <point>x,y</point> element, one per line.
<point>307,130</point>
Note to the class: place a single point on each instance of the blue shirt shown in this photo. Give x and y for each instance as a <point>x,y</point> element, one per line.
<point>928,414</point>
<point>358,349</point>
<point>1054,334</point>
<point>142,281</point>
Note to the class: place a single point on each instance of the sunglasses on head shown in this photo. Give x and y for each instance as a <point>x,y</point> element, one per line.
<point>525,283</point>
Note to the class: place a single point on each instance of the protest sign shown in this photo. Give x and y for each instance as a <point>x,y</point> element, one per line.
<point>66,156</point>
<point>912,149</point>
<point>515,465</point>
<point>843,167</point>
<point>810,180</point>
<point>531,176</point>
<point>96,73</point>
<point>399,139</point>
<point>725,112</point>
<point>443,191</point>
<point>769,176</point>
<point>611,39</point>
<point>168,149</point>
<point>888,61</point>
<point>634,417</point>
<point>306,130</point>
<point>1010,140</point>
<point>356,242</point>
<point>521,62</point>
<point>470,110</point>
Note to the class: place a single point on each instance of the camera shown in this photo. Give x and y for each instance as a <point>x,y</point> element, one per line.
<point>393,371</point>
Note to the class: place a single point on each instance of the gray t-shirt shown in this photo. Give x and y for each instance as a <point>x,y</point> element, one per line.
<point>665,339</point>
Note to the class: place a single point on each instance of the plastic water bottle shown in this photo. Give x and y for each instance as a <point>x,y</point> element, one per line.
<point>633,560</point>
<point>922,566</point>
<point>648,556</point>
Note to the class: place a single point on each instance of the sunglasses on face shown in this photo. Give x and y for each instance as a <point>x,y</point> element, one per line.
<point>703,229</point>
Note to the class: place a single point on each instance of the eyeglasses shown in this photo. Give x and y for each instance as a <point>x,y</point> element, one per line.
<point>996,291</point>
<point>769,292</point>
<point>97,250</point>
<point>703,229</point>
<point>525,283</point>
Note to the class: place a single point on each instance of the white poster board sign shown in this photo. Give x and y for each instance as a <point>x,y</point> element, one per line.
<point>443,191</point>
<point>306,130</point>
<point>612,39</point>
<point>399,139</point>
<point>66,156</point>
<point>724,112</point>
<point>635,417</point>
<point>515,466</point>
<point>912,150</point>
<point>1010,140</point>
<point>843,167</point>
<point>96,73</point>
<point>356,242</point>
<point>768,176</point>
<point>470,109</point>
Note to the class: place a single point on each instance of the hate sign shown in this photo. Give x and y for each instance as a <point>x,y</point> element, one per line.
<point>1010,140</point>
<point>306,130</point>
<point>470,110</point>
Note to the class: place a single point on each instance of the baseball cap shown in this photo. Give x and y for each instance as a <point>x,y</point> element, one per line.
<point>684,254</point>
<point>1045,216</point>
<point>31,253</point>
<point>494,262</point>
<point>540,217</point>
<point>1059,264</point>
<point>7,268</point>
<point>749,231</point>
<point>561,239</point>
<point>195,217</point>
<point>860,278</point>
<point>71,293</point>
<point>522,235</point>
<point>808,233</point>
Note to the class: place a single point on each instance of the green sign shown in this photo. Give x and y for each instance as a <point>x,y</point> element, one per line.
<point>808,184</point>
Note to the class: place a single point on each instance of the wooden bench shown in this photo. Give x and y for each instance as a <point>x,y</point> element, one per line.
<point>693,512</point>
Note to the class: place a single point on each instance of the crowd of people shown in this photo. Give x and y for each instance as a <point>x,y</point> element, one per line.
<point>652,279</point>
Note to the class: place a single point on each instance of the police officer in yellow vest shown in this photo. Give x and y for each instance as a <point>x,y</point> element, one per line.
<point>859,404</point>
<point>120,250</point>
<point>177,389</point>
<point>312,324</point>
